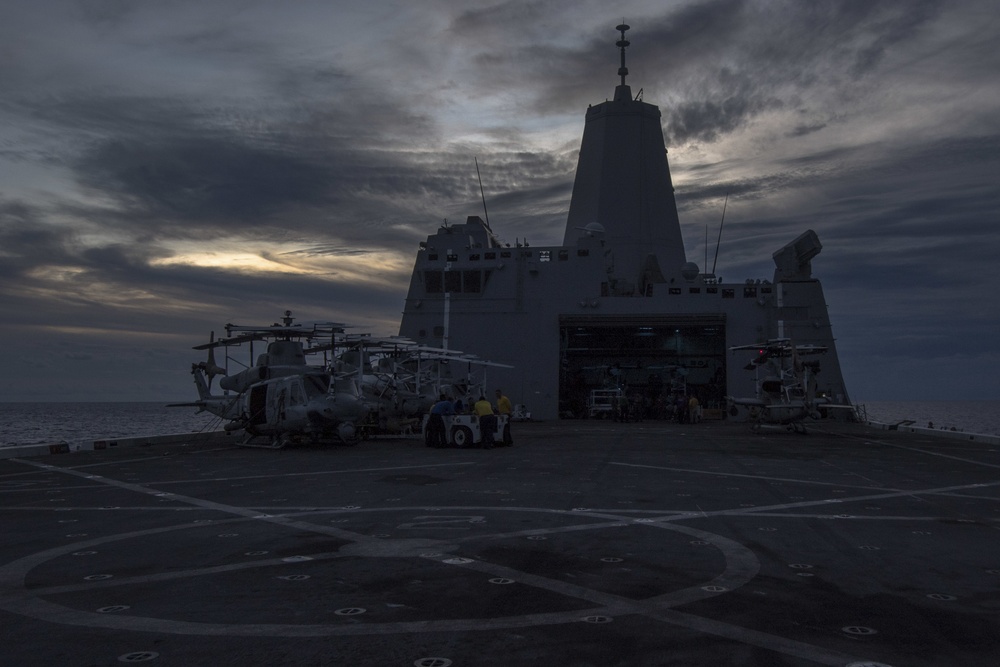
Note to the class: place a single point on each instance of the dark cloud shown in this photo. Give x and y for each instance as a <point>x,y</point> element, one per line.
<point>330,251</point>
<point>721,63</point>
<point>205,178</point>
<point>803,130</point>
<point>706,120</point>
<point>188,125</point>
<point>712,66</point>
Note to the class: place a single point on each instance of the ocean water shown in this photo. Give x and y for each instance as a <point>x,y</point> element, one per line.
<point>982,417</point>
<point>79,423</point>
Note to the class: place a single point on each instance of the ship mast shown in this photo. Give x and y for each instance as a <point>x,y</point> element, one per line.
<point>622,92</point>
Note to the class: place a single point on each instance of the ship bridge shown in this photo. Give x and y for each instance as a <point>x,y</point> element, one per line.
<point>617,305</point>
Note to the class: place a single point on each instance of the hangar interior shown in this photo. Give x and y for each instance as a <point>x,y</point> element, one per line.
<point>650,359</point>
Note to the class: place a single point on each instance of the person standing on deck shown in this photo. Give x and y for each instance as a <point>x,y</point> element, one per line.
<point>487,421</point>
<point>435,436</point>
<point>504,407</point>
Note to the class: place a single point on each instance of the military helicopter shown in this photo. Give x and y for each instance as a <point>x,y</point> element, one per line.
<point>786,386</point>
<point>401,380</point>
<point>280,396</point>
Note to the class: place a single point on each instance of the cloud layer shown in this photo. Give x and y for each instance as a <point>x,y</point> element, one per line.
<point>166,168</point>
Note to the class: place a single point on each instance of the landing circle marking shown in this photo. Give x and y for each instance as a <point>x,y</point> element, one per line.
<point>741,566</point>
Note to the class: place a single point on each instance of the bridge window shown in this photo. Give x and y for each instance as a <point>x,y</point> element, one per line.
<point>728,294</point>
<point>472,282</point>
<point>544,255</point>
<point>433,282</point>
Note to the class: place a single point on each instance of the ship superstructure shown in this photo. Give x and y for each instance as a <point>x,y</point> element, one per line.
<point>617,305</point>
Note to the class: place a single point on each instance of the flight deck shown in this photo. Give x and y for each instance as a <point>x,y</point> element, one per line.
<point>586,543</point>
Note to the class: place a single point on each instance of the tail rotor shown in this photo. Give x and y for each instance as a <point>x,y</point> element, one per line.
<point>211,368</point>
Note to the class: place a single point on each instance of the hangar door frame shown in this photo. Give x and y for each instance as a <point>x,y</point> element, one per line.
<point>647,356</point>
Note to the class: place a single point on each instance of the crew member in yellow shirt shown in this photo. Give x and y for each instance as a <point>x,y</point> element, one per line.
<point>487,421</point>
<point>504,407</point>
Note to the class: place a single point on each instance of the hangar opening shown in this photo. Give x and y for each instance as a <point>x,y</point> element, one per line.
<point>650,360</point>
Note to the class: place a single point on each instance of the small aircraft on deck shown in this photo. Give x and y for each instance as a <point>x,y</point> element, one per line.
<point>280,396</point>
<point>401,380</point>
<point>786,386</point>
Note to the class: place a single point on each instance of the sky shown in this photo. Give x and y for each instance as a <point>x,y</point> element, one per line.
<point>169,167</point>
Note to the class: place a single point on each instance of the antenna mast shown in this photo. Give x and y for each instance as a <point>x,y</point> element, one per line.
<point>705,265</point>
<point>719,241</point>
<point>622,44</point>
<point>482,194</point>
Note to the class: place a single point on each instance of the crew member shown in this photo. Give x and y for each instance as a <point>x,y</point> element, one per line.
<point>504,407</point>
<point>487,421</point>
<point>682,409</point>
<point>435,435</point>
<point>694,410</point>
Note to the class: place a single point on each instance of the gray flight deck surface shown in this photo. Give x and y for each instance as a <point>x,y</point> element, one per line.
<point>587,543</point>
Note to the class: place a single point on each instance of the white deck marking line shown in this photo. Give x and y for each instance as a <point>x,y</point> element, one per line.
<point>888,493</point>
<point>246,513</point>
<point>319,472</point>
<point>749,476</point>
<point>179,574</point>
<point>150,459</point>
<point>921,451</point>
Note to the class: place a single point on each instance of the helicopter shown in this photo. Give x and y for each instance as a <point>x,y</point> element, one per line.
<point>786,394</point>
<point>401,380</point>
<point>280,396</point>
